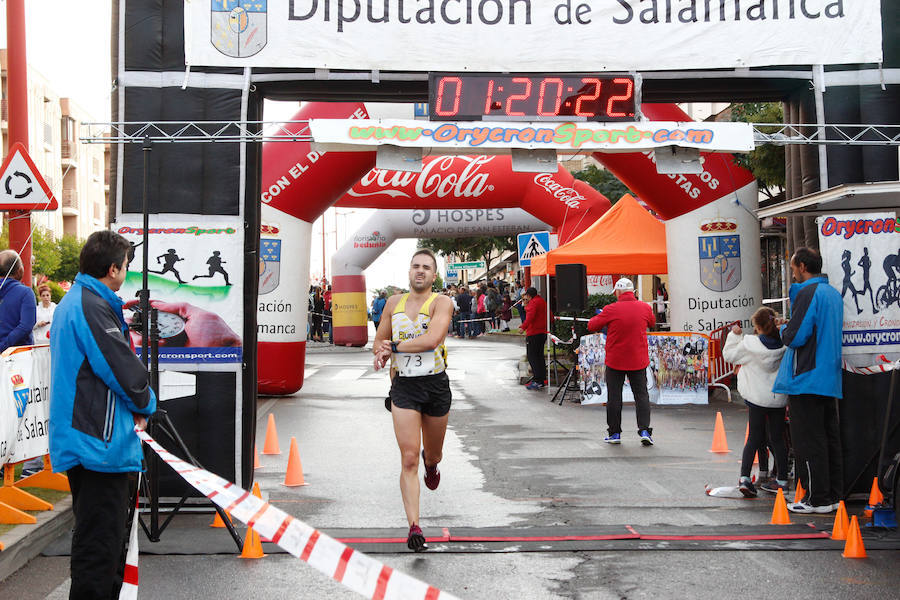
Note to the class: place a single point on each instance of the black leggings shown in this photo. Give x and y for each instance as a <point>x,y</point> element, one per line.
<point>763,420</point>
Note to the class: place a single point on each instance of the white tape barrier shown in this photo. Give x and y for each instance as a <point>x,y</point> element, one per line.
<point>350,567</point>
<point>885,366</point>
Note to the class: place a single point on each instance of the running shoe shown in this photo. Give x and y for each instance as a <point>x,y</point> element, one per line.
<point>432,474</point>
<point>803,507</point>
<point>773,485</point>
<point>646,440</point>
<point>415,541</point>
<point>613,438</point>
<point>746,488</point>
<point>534,385</point>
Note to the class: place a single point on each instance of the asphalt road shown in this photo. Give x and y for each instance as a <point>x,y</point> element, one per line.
<point>511,459</point>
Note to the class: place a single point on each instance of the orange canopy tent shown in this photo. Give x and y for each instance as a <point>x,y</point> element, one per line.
<point>626,240</point>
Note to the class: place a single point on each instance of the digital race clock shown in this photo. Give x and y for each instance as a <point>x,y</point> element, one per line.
<point>532,97</point>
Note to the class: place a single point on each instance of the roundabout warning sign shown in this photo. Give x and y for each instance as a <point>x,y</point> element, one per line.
<point>21,185</point>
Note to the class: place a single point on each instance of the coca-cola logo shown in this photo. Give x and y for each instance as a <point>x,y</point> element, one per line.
<point>437,179</point>
<point>567,195</point>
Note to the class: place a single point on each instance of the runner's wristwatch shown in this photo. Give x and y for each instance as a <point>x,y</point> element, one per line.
<point>394,347</point>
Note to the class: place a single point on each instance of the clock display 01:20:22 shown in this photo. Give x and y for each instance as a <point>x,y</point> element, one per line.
<point>481,96</point>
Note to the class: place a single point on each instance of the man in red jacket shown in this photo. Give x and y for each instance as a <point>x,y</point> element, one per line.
<point>626,322</point>
<point>535,328</point>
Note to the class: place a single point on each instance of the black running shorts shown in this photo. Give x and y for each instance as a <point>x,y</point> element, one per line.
<point>428,394</point>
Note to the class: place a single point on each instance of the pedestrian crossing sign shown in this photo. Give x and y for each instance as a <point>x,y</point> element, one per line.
<point>533,244</point>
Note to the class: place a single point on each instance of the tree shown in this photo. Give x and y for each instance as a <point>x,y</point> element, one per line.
<point>69,248</point>
<point>473,248</point>
<point>767,161</point>
<point>45,251</point>
<point>604,182</point>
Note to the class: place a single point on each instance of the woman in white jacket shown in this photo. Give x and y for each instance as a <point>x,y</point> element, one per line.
<point>759,357</point>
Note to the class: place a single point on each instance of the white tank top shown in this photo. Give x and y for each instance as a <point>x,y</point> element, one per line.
<point>410,364</point>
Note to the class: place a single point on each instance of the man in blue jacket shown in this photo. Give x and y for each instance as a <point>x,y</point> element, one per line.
<point>810,374</point>
<point>99,391</point>
<point>18,308</point>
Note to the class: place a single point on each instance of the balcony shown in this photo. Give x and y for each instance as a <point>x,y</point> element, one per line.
<point>4,113</point>
<point>70,203</point>
<point>69,154</point>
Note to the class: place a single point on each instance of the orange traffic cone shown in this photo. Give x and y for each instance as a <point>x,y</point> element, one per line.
<point>256,463</point>
<point>841,523</point>
<point>256,491</point>
<point>217,521</point>
<point>271,444</point>
<point>719,443</point>
<point>799,492</point>
<point>875,498</point>
<point>252,545</point>
<point>294,475</point>
<point>854,547</point>
<point>780,514</point>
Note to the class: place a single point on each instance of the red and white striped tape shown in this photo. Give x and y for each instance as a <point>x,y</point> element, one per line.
<point>129,589</point>
<point>350,567</point>
<point>883,367</point>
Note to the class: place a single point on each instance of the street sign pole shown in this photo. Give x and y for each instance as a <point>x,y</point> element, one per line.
<point>17,92</point>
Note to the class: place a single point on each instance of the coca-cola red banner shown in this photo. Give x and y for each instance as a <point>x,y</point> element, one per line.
<point>457,182</point>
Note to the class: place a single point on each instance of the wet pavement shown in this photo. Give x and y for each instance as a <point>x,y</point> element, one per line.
<point>511,460</point>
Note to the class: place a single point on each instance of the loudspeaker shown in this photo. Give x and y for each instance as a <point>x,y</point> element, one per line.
<point>571,287</point>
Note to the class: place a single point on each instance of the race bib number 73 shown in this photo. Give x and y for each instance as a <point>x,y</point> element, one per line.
<point>415,365</point>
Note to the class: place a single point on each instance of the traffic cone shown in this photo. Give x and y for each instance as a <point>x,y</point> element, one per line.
<point>841,523</point>
<point>854,547</point>
<point>217,521</point>
<point>271,444</point>
<point>252,545</point>
<point>780,514</point>
<point>875,498</point>
<point>719,443</point>
<point>799,492</point>
<point>256,491</point>
<point>256,463</point>
<point>294,475</point>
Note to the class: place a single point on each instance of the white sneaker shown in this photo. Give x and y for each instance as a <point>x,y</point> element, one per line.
<point>805,508</point>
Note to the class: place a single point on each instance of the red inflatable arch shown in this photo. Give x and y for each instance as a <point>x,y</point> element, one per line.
<point>299,184</point>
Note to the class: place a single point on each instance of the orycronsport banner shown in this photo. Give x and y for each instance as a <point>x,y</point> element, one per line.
<point>24,405</point>
<point>195,279</point>
<point>861,256</point>
<point>474,137</point>
<point>678,372</point>
<point>530,35</point>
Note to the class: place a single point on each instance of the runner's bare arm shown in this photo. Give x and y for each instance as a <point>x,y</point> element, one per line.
<point>441,315</point>
<point>383,333</point>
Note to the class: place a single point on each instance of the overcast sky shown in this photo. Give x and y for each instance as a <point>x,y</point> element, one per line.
<point>68,43</point>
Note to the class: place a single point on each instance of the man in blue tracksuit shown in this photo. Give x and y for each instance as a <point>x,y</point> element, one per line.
<point>18,308</point>
<point>99,391</point>
<point>810,374</point>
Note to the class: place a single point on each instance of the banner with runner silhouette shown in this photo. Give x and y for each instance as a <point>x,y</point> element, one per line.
<point>195,275</point>
<point>861,256</point>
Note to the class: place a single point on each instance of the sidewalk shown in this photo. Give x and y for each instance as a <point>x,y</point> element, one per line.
<point>23,542</point>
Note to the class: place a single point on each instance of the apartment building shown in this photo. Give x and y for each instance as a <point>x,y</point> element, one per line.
<point>76,173</point>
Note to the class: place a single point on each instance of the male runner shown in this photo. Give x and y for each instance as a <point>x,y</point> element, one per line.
<point>413,338</point>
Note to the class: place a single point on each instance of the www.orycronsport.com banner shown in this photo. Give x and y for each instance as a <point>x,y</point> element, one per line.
<point>861,256</point>
<point>678,372</point>
<point>530,35</point>
<point>477,137</point>
<point>24,404</point>
<point>195,279</point>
